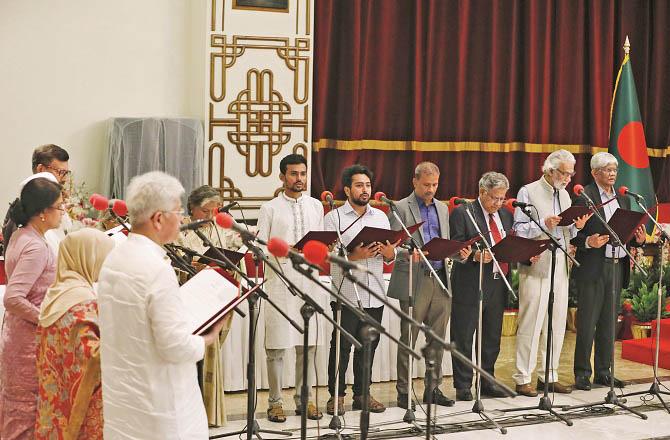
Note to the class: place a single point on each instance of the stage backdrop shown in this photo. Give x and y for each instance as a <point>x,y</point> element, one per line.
<point>475,85</point>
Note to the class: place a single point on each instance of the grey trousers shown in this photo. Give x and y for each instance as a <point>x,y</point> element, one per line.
<point>432,307</point>
<point>275,363</point>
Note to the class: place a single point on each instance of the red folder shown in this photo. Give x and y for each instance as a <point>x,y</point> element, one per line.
<point>369,235</point>
<point>325,237</point>
<point>515,249</point>
<point>570,215</point>
<point>441,248</point>
<point>624,222</point>
<point>234,257</point>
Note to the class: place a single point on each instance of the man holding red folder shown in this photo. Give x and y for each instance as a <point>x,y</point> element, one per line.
<point>598,260</point>
<point>431,305</point>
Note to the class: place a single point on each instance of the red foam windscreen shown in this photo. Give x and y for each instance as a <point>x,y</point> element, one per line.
<point>379,195</point>
<point>120,208</point>
<point>325,194</point>
<point>99,202</point>
<point>315,252</point>
<point>623,190</point>
<point>578,189</point>
<point>277,247</point>
<point>508,204</point>
<point>224,220</point>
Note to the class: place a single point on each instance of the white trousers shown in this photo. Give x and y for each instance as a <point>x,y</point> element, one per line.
<point>532,332</point>
<point>275,363</point>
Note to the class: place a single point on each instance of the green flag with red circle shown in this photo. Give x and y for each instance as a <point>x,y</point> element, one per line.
<point>627,141</point>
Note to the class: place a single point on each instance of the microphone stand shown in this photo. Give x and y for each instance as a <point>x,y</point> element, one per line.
<point>545,403</point>
<point>253,428</point>
<point>655,389</point>
<point>611,398</point>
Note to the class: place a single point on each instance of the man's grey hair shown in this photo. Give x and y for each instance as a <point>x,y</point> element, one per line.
<point>426,168</point>
<point>555,159</point>
<point>602,159</point>
<point>201,196</point>
<point>491,180</point>
<point>150,193</point>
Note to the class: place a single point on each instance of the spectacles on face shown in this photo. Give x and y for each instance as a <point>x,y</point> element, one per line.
<point>59,207</point>
<point>61,173</point>
<point>565,174</point>
<point>179,212</point>
<point>609,170</point>
<point>498,200</point>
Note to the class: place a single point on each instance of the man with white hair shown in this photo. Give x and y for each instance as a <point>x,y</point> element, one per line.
<point>549,198</point>
<point>600,264</point>
<point>148,356</point>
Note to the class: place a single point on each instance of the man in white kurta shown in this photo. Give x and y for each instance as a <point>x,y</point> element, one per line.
<point>549,197</point>
<point>290,216</point>
<point>148,356</point>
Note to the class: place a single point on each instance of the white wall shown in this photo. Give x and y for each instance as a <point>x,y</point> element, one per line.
<point>67,66</point>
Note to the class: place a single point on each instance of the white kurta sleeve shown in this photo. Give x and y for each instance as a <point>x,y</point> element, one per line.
<point>173,340</point>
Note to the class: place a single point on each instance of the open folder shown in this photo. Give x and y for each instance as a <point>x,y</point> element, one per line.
<point>325,237</point>
<point>515,249</point>
<point>624,222</point>
<point>571,214</point>
<point>233,256</point>
<point>441,248</point>
<point>208,297</point>
<point>370,234</point>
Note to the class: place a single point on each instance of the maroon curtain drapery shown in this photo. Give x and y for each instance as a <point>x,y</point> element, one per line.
<point>532,72</point>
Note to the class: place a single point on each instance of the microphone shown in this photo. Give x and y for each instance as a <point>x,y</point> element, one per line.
<point>279,248</point>
<point>327,196</point>
<point>194,225</point>
<point>578,190</point>
<point>101,203</point>
<point>381,198</point>
<point>455,201</point>
<point>317,253</point>
<point>227,207</point>
<point>623,190</point>
<point>226,221</point>
<point>516,204</point>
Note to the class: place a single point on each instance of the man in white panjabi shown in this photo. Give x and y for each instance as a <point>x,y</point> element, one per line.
<point>549,198</point>
<point>290,216</point>
<point>148,356</point>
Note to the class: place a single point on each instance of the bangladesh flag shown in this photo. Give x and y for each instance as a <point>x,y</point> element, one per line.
<point>627,141</point>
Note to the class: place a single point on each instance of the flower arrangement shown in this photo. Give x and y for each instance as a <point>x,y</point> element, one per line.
<point>77,203</point>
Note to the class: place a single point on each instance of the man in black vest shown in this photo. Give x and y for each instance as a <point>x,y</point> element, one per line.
<point>494,224</point>
<point>598,260</point>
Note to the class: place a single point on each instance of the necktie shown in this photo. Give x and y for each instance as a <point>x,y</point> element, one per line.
<point>493,227</point>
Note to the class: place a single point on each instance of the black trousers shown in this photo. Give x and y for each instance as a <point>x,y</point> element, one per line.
<point>353,325</point>
<point>463,326</point>
<point>595,319</point>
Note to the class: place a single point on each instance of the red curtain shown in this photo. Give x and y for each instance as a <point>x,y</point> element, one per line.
<point>529,72</point>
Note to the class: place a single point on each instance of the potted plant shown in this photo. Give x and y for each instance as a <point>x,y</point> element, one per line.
<point>511,314</point>
<point>644,307</point>
<point>571,317</point>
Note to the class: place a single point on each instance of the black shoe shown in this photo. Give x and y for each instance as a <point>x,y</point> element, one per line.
<point>493,391</point>
<point>605,380</point>
<point>438,398</point>
<point>582,383</point>
<point>464,395</point>
<point>401,401</point>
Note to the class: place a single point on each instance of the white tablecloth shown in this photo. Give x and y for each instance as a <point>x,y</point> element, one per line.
<point>235,353</point>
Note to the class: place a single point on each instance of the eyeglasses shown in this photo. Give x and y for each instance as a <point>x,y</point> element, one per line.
<point>499,200</point>
<point>179,212</point>
<point>61,173</point>
<point>565,174</point>
<point>609,170</point>
<point>60,207</point>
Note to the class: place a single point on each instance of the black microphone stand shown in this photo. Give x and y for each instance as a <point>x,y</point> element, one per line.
<point>655,389</point>
<point>611,398</point>
<point>253,428</point>
<point>545,403</point>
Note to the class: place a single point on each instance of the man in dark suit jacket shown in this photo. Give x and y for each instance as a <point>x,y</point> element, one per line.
<point>431,304</point>
<point>493,222</point>
<point>600,264</point>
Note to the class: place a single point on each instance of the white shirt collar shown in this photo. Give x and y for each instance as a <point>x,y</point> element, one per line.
<point>291,199</point>
<point>146,241</point>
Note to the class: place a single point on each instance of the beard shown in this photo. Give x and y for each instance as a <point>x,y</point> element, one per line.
<point>359,201</point>
<point>559,185</point>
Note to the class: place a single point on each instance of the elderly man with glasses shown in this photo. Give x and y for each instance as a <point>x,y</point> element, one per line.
<point>549,198</point>
<point>495,223</point>
<point>594,276</point>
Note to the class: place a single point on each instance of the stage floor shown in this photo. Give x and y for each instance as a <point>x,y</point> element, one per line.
<point>600,422</point>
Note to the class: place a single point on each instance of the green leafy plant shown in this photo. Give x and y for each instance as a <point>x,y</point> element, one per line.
<point>644,303</point>
<point>512,302</point>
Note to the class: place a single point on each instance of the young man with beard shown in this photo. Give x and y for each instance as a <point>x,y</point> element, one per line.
<point>290,216</point>
<point>549,197</point>
<point>354,215</point>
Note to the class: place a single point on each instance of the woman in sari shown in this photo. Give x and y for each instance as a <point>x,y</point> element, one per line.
<point>31,267</point>
<point>69,404</point>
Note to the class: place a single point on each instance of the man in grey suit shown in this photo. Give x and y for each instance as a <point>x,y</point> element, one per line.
<point>431,304</point>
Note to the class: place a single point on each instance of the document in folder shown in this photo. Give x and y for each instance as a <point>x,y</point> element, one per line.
<point>570,215</point>
<point>441,248</point>
<point>369,235</point>
<point>624,222</point>
<point>325,237</point>
<point>514,249</point>
<point>206,298</point>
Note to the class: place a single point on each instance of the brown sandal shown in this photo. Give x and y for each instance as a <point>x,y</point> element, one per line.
<point>276,413</point>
